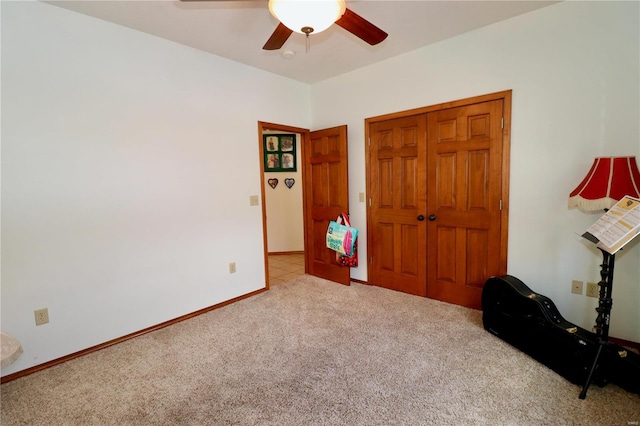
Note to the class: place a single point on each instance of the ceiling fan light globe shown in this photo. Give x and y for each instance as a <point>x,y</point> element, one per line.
<point>298,14</point>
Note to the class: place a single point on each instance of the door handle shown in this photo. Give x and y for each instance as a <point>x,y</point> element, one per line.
<point>420,218</point>
<point>432,217</point>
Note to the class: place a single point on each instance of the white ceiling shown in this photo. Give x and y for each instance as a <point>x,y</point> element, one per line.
<point>238,29</point>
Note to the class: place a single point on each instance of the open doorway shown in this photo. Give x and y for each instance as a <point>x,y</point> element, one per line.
<point>282,186</point>
<point>325,189</point>
<point>284,205</point>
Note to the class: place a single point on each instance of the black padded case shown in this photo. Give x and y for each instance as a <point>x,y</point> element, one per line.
<point>532,323</point>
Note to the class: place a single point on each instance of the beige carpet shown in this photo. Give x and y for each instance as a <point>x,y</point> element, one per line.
<point>311,352</point>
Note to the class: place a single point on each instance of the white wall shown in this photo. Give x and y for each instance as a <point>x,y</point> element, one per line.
<point>285,225</point>
<point>127,166</point>
<point>574,69</point>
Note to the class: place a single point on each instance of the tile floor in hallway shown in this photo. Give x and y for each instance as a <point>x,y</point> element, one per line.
<point>285,267</point>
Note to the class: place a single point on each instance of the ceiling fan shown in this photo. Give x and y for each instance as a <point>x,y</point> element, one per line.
<point>314,16</point>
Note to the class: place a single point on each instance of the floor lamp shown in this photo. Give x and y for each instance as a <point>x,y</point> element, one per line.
<point>608,180</point>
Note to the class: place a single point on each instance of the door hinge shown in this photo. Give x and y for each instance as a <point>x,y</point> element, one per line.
<point>369,202</point>
<point>500,205</point>
<point>371,261</point>
<point>369,141</point>
<point>502,123</point>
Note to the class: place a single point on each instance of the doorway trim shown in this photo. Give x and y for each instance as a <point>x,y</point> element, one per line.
<point>304,137</point>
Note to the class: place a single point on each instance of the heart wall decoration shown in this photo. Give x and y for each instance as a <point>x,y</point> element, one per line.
<point>289,182</point>
<point>273,182</point>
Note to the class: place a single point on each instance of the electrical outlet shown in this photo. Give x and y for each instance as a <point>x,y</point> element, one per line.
<point>361,197</point>
<point>42,316</point>
<point>232,268</point>
<point>576,287</point>
<point>593,290</point>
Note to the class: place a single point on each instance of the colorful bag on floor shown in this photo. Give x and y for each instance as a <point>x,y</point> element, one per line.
<point>343,239</point>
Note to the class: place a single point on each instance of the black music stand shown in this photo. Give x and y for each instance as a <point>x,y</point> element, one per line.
<point>612,219</point>
<point>604,313</point>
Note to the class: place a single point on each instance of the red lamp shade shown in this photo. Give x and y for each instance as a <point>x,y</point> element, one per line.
<point>609,179</point>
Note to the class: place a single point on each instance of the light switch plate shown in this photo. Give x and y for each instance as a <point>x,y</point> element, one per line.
<point>576,287</point>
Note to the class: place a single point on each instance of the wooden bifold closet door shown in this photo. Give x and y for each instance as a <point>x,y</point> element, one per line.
<point>397,226</point>
<point>436,223</point>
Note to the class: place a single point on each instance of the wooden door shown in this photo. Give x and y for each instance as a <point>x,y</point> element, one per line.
<point>464,201</point>
<point>448,163</point>
<point>326,195</point>
<point>397,189</point>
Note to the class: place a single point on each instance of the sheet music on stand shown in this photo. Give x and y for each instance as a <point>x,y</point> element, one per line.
<point>617,227</point>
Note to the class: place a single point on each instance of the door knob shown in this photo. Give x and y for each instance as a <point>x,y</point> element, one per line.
<point>420,218</point>
<point>432,217</point>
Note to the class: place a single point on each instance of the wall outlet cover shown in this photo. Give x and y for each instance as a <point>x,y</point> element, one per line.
<point>593,290</point>
<point>42,316</point>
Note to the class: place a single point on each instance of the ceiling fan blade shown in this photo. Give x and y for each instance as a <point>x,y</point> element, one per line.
<point>277,39</point>
<point>362,28</point>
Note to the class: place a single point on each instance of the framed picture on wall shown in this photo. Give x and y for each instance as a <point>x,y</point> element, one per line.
<point>271,144</point>
<point>279,153</point>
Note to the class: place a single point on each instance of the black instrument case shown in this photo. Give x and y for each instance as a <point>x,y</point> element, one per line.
<point>532,323</point>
